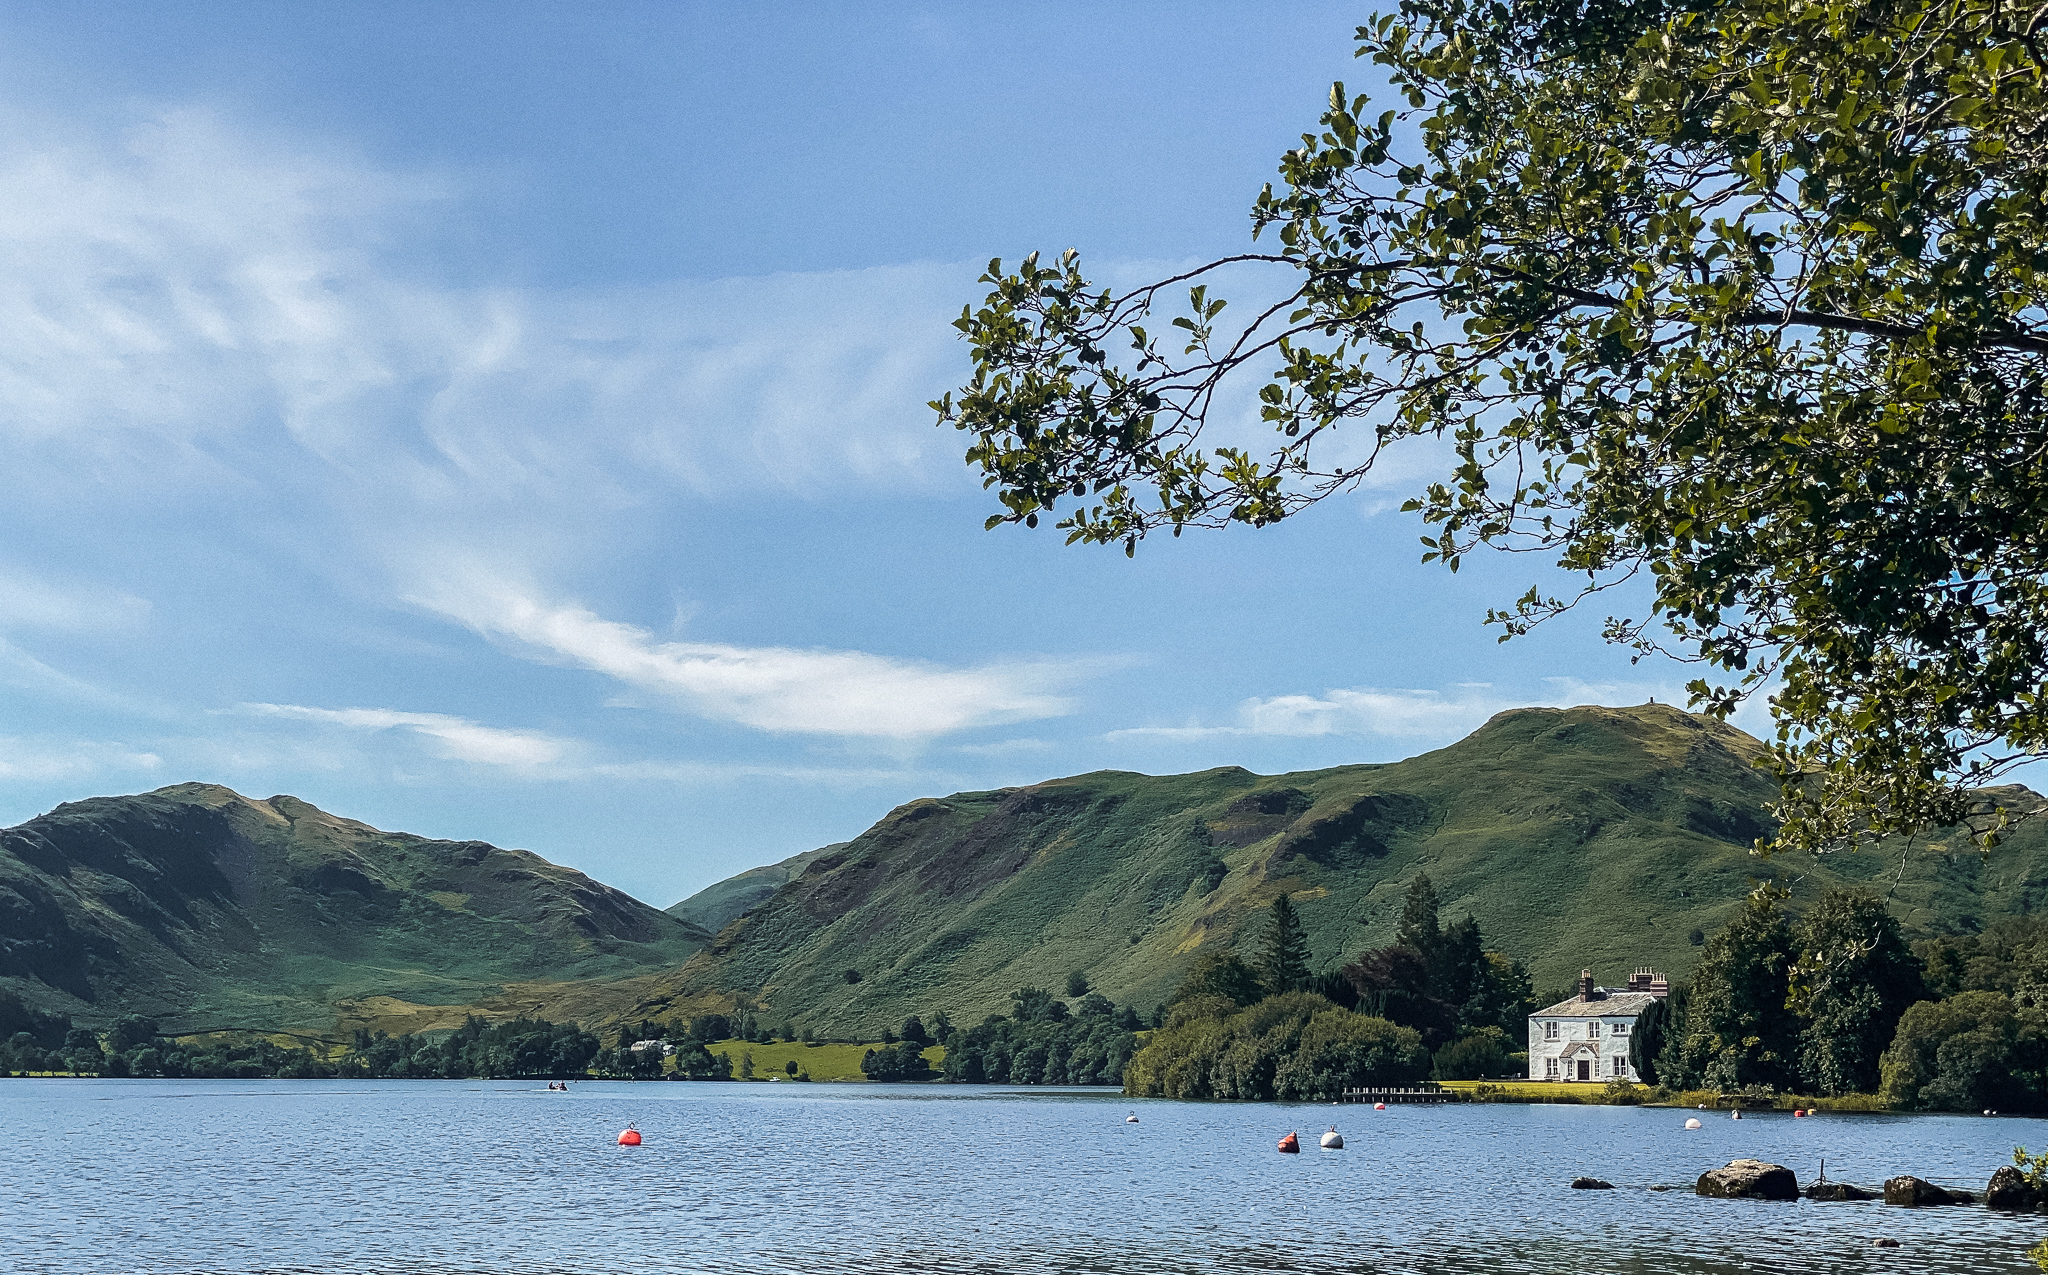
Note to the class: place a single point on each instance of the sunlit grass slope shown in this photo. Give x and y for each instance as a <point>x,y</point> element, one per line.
<point>1584,837</point>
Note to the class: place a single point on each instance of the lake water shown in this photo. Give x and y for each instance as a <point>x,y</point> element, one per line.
<point>439,1178</point>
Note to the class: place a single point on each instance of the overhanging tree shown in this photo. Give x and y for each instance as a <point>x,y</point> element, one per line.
<point>1743,298</point>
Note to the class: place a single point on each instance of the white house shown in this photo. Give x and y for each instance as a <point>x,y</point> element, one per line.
<point>1586,1037</point>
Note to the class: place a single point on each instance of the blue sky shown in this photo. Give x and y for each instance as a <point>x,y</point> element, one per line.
<point>508,421</point>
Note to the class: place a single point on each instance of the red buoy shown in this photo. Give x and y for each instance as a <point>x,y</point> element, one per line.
<point>629,1138</point>
<point>1291,1144</point>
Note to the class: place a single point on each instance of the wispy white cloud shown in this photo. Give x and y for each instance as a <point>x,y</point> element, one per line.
<point>1394,714</point>
<point>459,738</point>
<point>29,601</point>
<point>782,689</point>
<point>187,297</point>
<point>40,760</point>
<point>700,772</point>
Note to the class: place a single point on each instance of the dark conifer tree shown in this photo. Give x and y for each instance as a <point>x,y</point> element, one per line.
<point>1646,1039</point>
<point>1284,965</point>
<point>1419,928</point>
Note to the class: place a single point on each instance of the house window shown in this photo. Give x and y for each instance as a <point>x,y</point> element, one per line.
<point>1550,1031</point>
<point>1620,1066</point>
<point>1593,1030</point>
<point>1618,1029</point>
<point>1550,1069</point>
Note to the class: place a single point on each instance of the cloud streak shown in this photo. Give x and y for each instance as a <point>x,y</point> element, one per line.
<point>1407,714</point>
<point>43,760</point>
<point>786,690</point>
<point>458,738</point>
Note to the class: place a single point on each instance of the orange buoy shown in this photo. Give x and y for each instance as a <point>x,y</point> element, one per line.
<point>1291,1144</point>
<point>630,1137</point>
<point>1798,1112</point>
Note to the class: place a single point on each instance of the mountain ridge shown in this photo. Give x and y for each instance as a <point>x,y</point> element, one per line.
<point>1588,836</point>
<point>205,908</point>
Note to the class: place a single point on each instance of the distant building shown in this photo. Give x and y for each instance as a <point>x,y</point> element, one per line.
<point>1586,1037</point>
<point>642,1046</point>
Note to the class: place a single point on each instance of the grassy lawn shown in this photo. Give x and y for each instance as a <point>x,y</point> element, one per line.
<point>1587,1092</point>
<point>823,1062</point>
<point>1536,1090</point>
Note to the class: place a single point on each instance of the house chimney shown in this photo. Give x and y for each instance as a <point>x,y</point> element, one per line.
<point>1660,987</point>
<point>1585,985</point>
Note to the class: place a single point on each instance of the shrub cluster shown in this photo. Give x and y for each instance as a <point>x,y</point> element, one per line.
<point>1296,1045</point>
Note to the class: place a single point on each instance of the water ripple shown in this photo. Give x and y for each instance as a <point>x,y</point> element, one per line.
<point>500,1178</point>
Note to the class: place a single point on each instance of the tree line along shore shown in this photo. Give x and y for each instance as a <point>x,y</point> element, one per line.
<point>1833,1010</point>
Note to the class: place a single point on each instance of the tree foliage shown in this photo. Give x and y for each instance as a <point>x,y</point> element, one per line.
<point>1221,974</point>
<point>1291,1046</point>
<point>1737,1029</point>
<point>1284,963</point>
<point>1486,1054</point>
<point>1973,1051</point>
<point>905,1061</point>
<point>1853,979</point>
<point>1741,298</point>
<point>1439,979</point>
<point>1646,1039</point>
<point>1088,1049</point>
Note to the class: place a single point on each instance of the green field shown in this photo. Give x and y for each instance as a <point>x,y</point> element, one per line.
<point>823,1062</point>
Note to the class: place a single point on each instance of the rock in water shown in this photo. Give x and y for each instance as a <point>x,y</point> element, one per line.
<point>1591,1184</point>
<point>1884,1243</point>
<point>1915,1193</point>
<point>1749,1180</point>
<point>1839,1191</point>
<point>2009,1189</point>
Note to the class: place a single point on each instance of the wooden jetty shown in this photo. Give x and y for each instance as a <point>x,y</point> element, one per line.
<point>1421,1093</point>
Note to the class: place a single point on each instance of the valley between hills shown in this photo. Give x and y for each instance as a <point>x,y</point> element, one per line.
<point>1607,838</point>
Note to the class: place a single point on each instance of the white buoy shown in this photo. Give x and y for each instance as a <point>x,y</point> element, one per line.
<point>1132,1118</point>
<point>1692,1122</point>
<point>1379,1106</point>
<point>1333,1141</point>
<point>1735,1115</point>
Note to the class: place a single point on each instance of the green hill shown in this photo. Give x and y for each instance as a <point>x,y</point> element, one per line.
<point>718,905</point>
<point>209,910</point>
<point>1588,837</point>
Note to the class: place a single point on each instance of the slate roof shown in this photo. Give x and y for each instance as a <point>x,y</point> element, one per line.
<point>1612,1005</point>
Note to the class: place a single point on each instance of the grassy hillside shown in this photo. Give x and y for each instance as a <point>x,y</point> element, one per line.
<point>209,910</point>
<point>1585,837</point>
<point>720,904</point>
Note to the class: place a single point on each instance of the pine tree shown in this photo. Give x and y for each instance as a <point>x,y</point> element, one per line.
<point>1419,928</point>
<point>1646,1039</point>
<point>1285,967</point>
